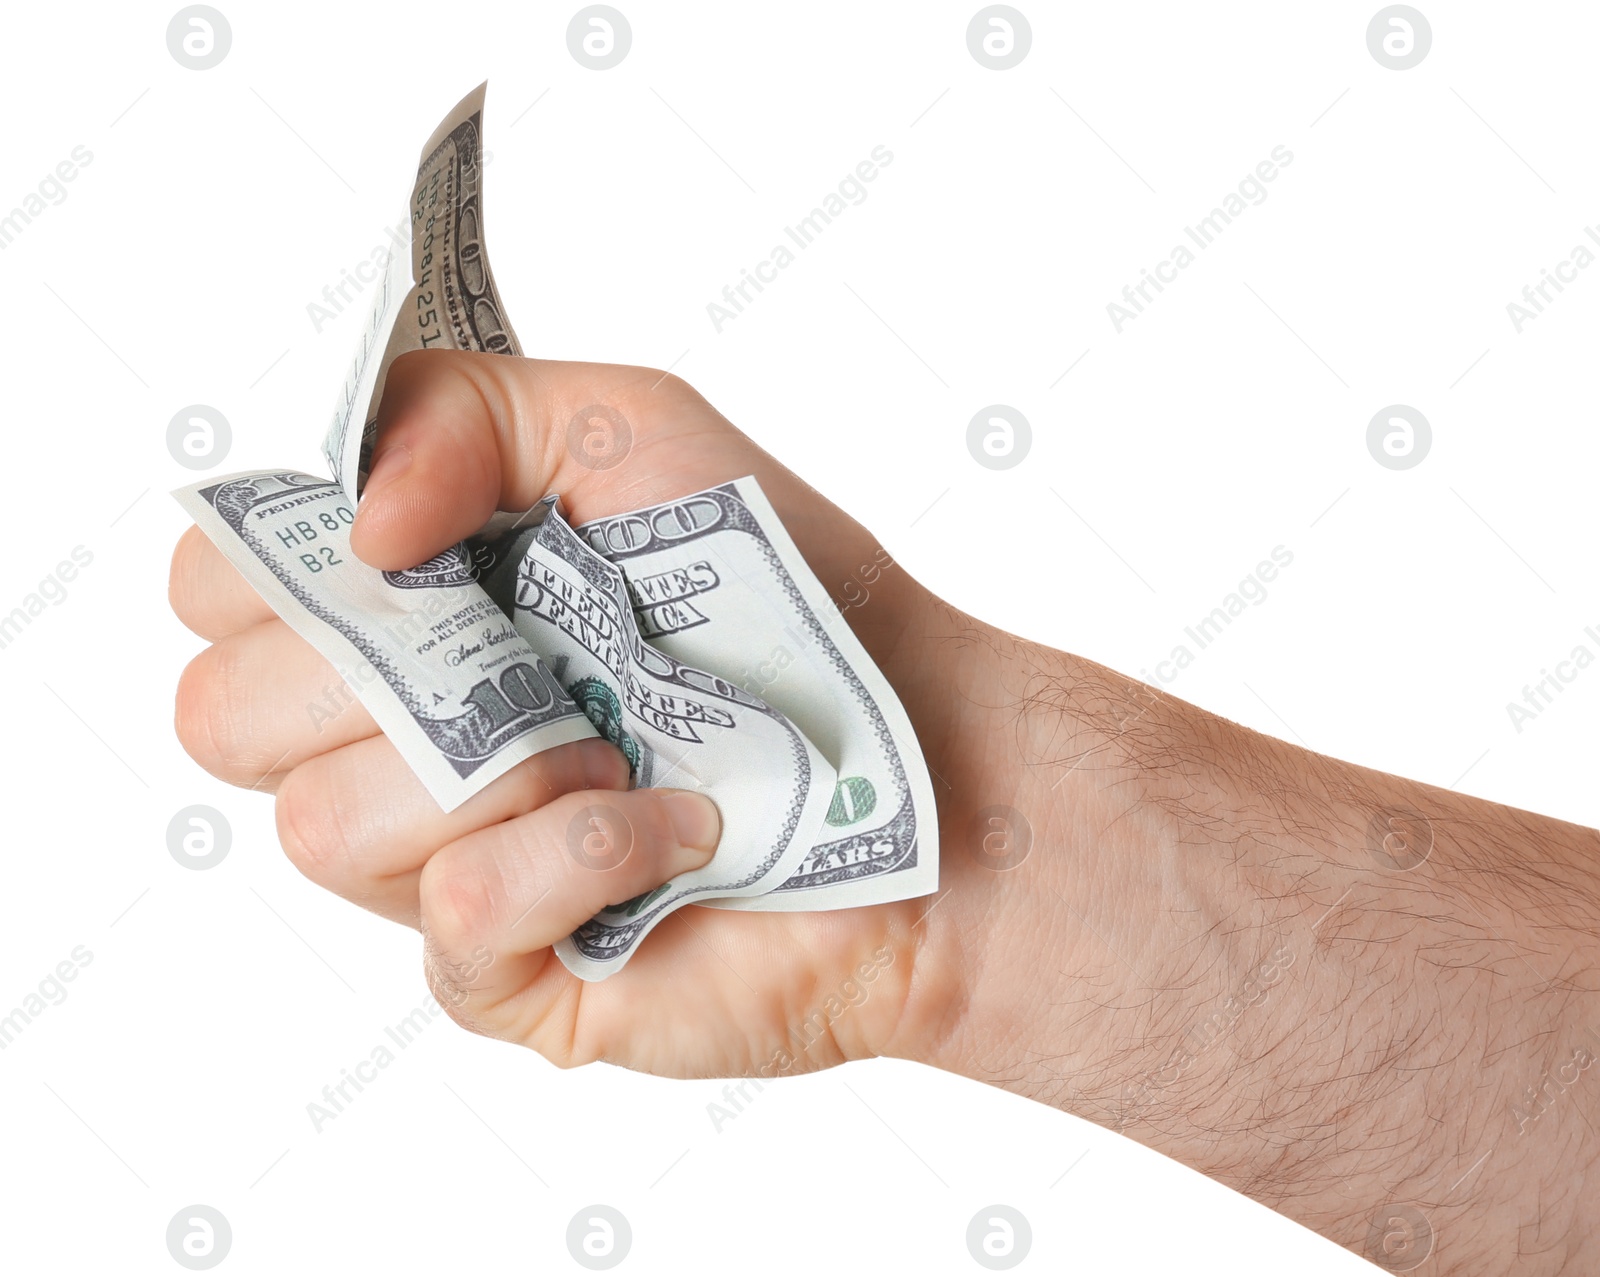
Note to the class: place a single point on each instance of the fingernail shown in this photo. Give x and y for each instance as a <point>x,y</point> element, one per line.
<point>696,824</point>
<point>390,464</point>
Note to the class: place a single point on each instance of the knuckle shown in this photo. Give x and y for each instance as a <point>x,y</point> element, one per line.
<point>311,827</point>
<point>205,719</point>
<point>453,1000</point>
<point>641,395</point>
<point>216,712</point>
<point>181,577</point>
<point>558,1053</point>
<point>658,383</point>
<point>459,896</point>
<point>676,387</point>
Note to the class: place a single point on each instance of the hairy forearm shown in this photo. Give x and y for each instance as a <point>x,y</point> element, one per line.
<point>1329,988</point>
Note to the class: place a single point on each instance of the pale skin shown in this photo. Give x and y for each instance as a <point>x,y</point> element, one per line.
<point>1229,948</point>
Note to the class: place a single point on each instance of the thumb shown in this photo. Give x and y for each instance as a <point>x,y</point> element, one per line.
<point>463,434</point>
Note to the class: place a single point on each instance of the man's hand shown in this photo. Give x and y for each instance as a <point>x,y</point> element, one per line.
<point>492,884</point>
<point>1342,993</point>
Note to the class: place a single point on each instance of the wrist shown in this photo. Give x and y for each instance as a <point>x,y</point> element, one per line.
<point>1034,773</point>
<point>1328,988</point>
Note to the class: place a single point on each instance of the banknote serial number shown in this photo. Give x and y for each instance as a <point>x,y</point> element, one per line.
<point>299,535</point>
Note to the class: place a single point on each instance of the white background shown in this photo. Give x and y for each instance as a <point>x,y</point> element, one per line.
<point>1228,419</point>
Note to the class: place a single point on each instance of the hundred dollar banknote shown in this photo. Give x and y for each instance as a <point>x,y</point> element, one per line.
<point>441,669</point>
<point>444,298</point>
<point>676,723</point>
<point>717,582</point>
<point>642,627</point>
